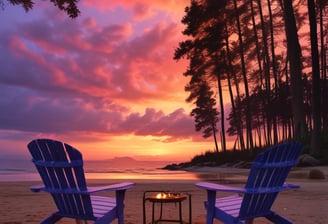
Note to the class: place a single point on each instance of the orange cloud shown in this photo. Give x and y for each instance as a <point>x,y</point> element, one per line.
<point>168,5</point>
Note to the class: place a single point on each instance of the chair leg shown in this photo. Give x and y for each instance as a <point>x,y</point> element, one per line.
<point>180,213</point>
<point>278,219</point>
<point>152,213</point>
<point>120,194</point>
<point>211,197</point>
<point>51,219</point>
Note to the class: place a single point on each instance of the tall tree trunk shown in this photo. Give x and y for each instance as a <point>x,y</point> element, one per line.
<point>324,94</point>
<point>257,44</point>
<point>223,138</point>
<point>214,137</point>
<point>294,58</point>
<point>261,121</point>
<point>230,73</point>
<point>274,72</point>
<point>247,98</point>
<point>316,96</point>
<point>266,67</point>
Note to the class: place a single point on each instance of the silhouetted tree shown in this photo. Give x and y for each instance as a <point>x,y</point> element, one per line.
<point>203,26</point>
<point>232,79</point>
<point>322,7</point>
<point>316,98</point>
<point>249,137</point>
<point>295,65</point>
<point>68,6</point>
<point>205,113</point>
<point>269,93</point>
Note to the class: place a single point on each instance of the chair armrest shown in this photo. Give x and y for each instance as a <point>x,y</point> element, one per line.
<point>284,187</point>
<point>219,187</point>
<point>37,188</point>
<point>291,186</point>
<point>90,190</point>
<point>112,187</point>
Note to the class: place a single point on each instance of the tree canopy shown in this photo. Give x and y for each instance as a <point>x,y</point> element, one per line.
<point>272,70</point>
<point>68,6</point>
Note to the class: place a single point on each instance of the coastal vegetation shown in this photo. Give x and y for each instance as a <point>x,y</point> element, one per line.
<point>244,159</point>
<point>257,74</point>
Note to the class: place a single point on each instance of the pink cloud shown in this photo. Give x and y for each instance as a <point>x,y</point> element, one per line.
<point>22,51</point>
<point>89,76</point>
<point>54,114</point>
<point>174,126</point>
<point>142,11</point>
<point>89,23</point>
<point>123,66</point>
<point>107,38</point>
<point>129,69</point>
<point>140,7</point>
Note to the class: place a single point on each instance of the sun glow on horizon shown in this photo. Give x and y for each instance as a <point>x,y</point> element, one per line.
<point>149,148</point>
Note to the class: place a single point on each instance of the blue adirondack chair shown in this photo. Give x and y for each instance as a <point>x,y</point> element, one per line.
<point>266,179</point>
<point>61,169</point>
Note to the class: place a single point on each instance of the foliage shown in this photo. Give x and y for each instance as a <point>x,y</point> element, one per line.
<point>233,157</point>
<point>211,158</point>
<point>242,45</point>
<point>203,23</point>
<point>68,6</point>
<point>205,113</point>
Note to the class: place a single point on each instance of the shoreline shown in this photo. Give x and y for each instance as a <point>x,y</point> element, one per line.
<point>309,204</point>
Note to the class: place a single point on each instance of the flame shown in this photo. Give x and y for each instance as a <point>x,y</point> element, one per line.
<point>161,195</point>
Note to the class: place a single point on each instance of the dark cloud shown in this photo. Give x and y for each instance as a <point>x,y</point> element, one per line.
<point>29,111</point>
<point>176,125</point>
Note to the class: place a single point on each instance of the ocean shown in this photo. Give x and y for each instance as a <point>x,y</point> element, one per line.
<point>113,169</point>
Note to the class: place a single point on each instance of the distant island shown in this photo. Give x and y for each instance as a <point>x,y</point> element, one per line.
<point>130,162</point>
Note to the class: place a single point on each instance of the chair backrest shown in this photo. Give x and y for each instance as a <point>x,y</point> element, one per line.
<point>61,169</point>
<point>266,178</point>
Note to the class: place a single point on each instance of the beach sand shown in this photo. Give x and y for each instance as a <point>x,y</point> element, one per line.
<point>308,205</point>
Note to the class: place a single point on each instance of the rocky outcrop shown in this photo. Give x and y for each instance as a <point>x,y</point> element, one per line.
<point>187,165</point>
<point>307,160</point>
<point>316,174</point>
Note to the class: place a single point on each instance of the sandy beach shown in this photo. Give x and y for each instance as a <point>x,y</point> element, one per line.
<point>308,205</point>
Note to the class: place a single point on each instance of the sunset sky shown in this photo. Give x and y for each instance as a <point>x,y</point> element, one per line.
<point>105,82</point>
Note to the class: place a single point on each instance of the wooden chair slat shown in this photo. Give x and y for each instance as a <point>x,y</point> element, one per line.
<point>61,169</point>
<point>266,179</point>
